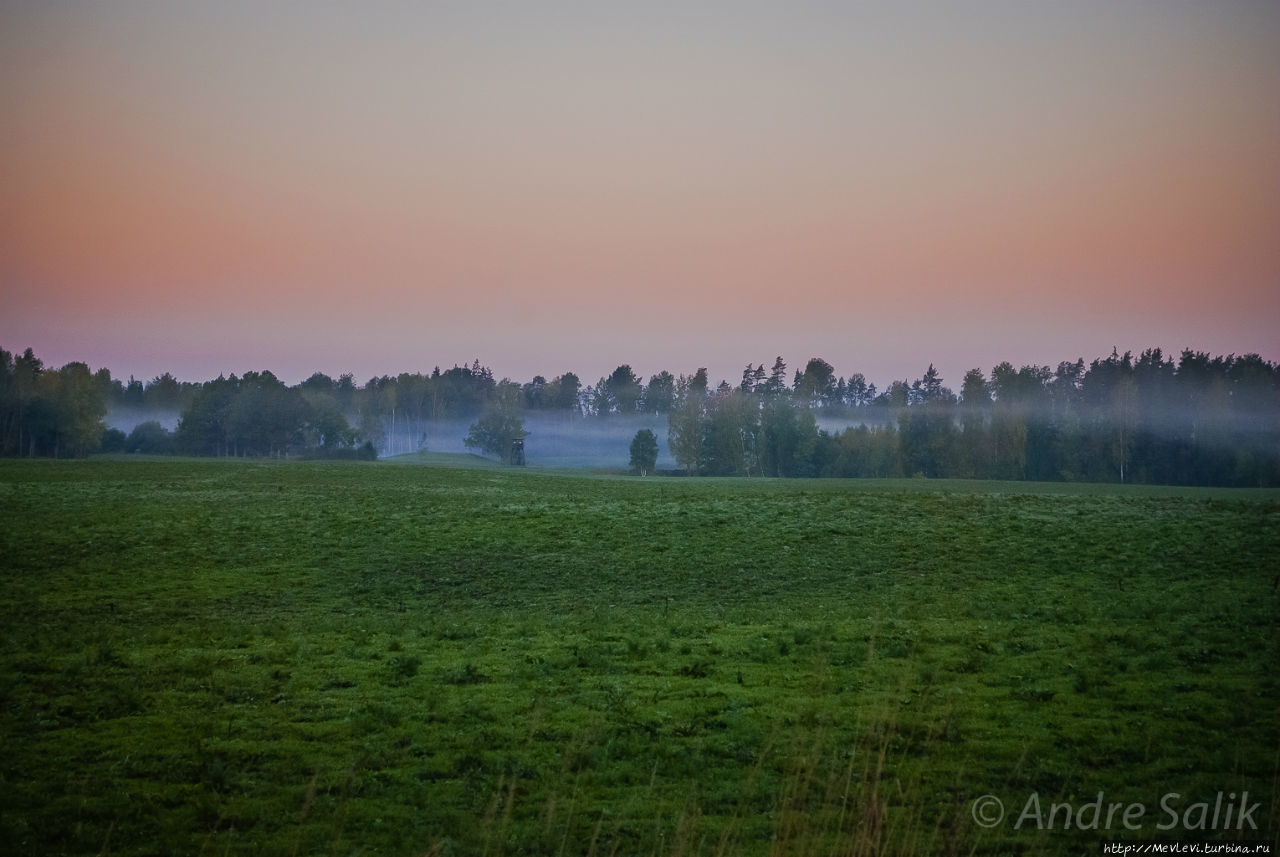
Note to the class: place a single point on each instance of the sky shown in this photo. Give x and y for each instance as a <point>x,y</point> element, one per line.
<point>384,187</point>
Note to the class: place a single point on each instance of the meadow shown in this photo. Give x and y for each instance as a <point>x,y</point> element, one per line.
<point>415,657</point>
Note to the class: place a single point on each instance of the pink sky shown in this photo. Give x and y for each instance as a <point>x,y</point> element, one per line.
<point>212,188</point>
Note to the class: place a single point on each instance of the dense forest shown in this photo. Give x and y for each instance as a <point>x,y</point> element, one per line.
<point>1198,420</point>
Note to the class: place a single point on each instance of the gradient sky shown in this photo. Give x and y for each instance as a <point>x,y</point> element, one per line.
<point>208,188</point>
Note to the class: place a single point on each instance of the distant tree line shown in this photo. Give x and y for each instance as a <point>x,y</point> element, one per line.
<point>258,415</point>
<point>1199,421</point>
<point>1196,420</point>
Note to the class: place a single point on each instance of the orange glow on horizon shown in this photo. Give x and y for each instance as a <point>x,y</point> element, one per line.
<point>863,179</point>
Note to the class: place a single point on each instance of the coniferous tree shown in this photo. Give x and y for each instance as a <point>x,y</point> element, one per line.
<point>660,393</point>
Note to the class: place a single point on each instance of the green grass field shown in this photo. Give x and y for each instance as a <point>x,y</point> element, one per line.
<point>228,657</point>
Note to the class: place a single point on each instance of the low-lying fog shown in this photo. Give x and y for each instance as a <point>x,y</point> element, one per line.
<point>553,441</point>
<point>557,441</point>
<point>127,419</point>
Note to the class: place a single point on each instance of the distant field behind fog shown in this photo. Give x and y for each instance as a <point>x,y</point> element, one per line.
<point>583,442</point>
<point>553,441</point>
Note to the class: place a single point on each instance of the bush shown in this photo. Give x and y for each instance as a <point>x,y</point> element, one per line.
<point>495,432</point>
<point>113,440</point>
<point>149,438</point>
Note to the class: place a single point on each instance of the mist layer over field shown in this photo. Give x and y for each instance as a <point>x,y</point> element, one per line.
<point>126,419</point>
<point>554,441</point>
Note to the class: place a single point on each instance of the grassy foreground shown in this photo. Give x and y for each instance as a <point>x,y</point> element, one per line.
<point>224,657</point>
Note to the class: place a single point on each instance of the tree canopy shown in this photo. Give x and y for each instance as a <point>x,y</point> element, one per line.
<point>644,452</point>
<point>496,432</point>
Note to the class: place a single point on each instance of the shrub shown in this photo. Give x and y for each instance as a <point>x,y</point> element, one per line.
<point>149,438</point>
